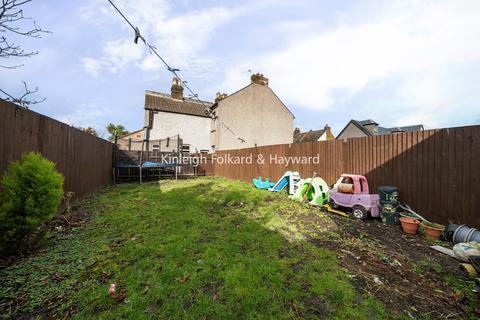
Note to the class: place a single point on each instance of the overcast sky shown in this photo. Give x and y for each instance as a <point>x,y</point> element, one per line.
<point>396,62</point>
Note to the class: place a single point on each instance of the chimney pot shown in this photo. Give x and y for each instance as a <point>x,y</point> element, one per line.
<point>296,131</point>
<point>220,96</point>
<point>177,89</point>
<point>259,79</point>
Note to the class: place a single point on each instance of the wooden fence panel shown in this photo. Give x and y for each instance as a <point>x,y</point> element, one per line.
<point>84,160</point>
<point>435,170</point>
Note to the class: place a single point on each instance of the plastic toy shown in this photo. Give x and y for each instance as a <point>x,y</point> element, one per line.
<point>316,192</point>
<point>351,193</point>
<point>291,179</point>
<point>259,184</point>
<point>328,208</point>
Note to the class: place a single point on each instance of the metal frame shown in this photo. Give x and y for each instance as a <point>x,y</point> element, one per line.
<point>141,166</point>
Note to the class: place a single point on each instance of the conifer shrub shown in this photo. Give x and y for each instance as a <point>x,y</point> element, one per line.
<point>30,194</point>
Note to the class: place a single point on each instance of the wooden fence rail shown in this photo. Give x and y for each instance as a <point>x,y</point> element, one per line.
<point>437,171</point>
<point>84,160</point>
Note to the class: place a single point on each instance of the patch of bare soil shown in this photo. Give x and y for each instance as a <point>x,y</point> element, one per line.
<point>401,270</point>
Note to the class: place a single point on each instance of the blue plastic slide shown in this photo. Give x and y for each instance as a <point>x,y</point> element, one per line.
<point>289,178</point>
<point>282,182</point>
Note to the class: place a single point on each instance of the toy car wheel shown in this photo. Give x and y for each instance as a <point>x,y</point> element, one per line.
<point>332,204</point>
<point>359,212</point>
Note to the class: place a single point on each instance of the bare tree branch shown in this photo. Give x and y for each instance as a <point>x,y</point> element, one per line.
<point>23,101</point>
<point>11,14</point>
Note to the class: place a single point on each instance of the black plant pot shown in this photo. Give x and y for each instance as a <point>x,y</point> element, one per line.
<point>449,231</point>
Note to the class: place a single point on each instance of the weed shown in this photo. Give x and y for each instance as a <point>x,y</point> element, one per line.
<point>428,264</point>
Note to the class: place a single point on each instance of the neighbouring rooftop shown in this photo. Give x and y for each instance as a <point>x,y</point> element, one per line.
<point>312,135</point>
<point>165,102</point>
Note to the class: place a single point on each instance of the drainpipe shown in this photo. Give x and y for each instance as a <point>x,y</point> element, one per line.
<point>147,129</point>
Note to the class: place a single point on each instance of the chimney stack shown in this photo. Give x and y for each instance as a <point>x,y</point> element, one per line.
<point>220,96</point>
<point>296,131</point>
<point>177,89</point>
<point>328,132</point>
<point>259,79</point>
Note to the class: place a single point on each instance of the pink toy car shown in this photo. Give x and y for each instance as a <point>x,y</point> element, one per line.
<point>351,192</point>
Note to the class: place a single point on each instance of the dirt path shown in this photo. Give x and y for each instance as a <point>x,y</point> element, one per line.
<point>401,270</point>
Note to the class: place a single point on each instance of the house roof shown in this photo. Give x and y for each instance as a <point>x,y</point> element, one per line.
<point>308,136</point>
<point>215,105</point>
<point>164,102</point>
<point>416,127</point>
<point>360,124</point>
<point>365,122</point>
<point>130,133</point>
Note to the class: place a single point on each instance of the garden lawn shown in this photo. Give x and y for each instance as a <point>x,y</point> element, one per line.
<point>196,249</point>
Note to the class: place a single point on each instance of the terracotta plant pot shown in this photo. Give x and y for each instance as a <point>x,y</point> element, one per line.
<point>433,230</point>
<point>409,225</point>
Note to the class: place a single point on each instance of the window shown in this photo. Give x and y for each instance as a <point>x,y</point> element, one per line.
<point>347,180</point>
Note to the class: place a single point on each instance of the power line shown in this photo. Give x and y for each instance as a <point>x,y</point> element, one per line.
<point>174,71</point>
